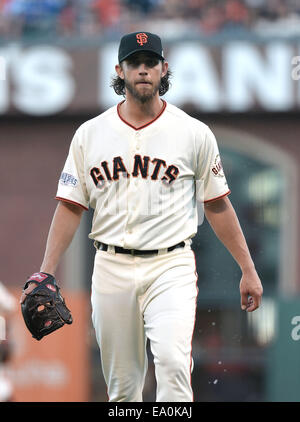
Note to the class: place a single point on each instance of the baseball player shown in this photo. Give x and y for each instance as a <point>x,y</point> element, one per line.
<point>143,165</point>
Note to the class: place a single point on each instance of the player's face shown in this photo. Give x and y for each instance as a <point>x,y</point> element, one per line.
<point>142,73</point>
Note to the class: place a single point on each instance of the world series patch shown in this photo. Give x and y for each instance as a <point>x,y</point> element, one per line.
<point>68,180</point>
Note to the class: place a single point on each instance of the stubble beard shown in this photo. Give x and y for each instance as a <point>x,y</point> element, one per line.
<point>143,98</point>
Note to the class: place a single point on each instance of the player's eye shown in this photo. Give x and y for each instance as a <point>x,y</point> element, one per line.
<point>149,62</point>
<point>133,63</point>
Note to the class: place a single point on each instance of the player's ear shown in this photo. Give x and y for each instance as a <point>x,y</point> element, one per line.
<point>119,71</point>
<point>165,66</point>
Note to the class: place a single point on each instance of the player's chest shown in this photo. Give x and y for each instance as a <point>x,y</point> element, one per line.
<point>166,157</point>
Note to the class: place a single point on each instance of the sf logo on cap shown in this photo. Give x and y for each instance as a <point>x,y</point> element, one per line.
<point>141,38</point>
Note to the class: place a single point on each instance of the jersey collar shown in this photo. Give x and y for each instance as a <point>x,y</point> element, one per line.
<point>146,124</point>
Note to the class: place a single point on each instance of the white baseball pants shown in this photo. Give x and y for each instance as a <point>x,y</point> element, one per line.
<point>139,297</point>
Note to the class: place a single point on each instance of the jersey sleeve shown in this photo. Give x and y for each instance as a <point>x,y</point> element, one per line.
<point>211,183</point>
<point>72,185</point>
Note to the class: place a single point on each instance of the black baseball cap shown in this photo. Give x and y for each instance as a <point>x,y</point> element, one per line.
<point>140,41</point>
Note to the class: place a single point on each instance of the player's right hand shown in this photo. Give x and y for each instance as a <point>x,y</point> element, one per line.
<point>251,291</point>
<point>27,291</point>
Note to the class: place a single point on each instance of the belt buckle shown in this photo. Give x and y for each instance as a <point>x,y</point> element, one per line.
<point>132,252</point>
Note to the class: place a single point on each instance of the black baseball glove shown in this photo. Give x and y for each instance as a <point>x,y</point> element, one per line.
<point>44,309</point>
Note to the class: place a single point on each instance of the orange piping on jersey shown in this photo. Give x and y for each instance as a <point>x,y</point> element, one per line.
<point>218,197</point>
<point>147,124</point>
<point>71,202</point>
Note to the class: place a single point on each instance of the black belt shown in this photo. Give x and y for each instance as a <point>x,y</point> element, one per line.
<point>118,249</point>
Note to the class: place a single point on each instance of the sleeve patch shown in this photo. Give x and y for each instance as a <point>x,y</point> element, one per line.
<point>67,179</point>
<point>217,168</point>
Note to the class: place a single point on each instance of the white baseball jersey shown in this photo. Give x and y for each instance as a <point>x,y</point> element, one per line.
<point>143,182</point>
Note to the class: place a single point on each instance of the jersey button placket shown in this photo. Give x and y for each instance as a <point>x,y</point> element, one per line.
<point>137,150</point>
<point>135,147</point>
<point>138,140</point>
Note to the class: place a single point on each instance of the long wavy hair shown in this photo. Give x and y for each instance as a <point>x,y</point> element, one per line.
<point>118,84</point>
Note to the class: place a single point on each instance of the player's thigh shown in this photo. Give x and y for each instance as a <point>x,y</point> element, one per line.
<point>116,316</point>
<point>170,312</point>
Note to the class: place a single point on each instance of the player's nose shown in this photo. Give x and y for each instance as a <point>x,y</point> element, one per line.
<point>142,69</point>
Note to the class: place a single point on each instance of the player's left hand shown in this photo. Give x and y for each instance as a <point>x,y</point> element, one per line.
<point>251,290</point>
<point>44,309</point>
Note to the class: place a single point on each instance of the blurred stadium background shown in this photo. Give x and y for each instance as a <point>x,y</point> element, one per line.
<point>236,67</point>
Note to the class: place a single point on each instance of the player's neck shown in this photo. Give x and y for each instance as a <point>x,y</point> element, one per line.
<point>137,113</point>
